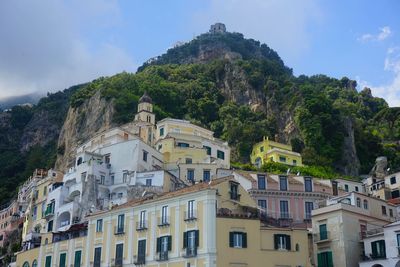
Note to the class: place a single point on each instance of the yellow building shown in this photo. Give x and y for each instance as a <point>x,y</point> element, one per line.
<point>204,225</point>
<point>190,152</point>
<point>270,151</point>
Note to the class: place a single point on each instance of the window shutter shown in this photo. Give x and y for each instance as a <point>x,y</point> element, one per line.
<point>320,260</point>
<point>374,249</point>
<point>288,244</point>
<point>276,241</point>
<point>185,239</point>
<point>197,237</point>
<point>231,239</point>
<point>169,243</point>
<point>158,244</point>
<point>244,240</point>
<point>330,259</point>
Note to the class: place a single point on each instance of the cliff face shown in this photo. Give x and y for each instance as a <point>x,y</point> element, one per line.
<point>92,117</point>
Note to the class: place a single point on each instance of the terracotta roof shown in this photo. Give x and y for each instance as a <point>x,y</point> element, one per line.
<point>247,175</point>
<point>395,201</point>
<point>180,192</point>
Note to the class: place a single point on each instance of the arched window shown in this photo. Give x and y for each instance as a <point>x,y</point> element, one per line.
<point>26,264</point>
<point>365,204</point>
<point>359,202</point>
<point>34,263</point>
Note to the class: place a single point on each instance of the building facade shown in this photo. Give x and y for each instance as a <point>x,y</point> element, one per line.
<point>386,188</point>
<point>271,151</point>
<point>196,226</point>
<point>338,228</point>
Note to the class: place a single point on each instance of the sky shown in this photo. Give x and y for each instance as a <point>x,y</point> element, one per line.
<point>49,45</point>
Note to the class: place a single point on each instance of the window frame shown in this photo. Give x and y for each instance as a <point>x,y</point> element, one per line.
<point>261,182</point>
<point>99,226</point>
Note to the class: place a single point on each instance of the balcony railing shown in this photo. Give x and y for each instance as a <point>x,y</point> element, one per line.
<point>162,256</point>
<point>49,212</point>
<point>371,232</point>
<point>189,252</point>
<point>139,260</point>
<point>373,257</point>
<point>141,225</point>
<point>190,215</point>
<point>322,237</point>
<point>119,230</point>
<point>163,221</point>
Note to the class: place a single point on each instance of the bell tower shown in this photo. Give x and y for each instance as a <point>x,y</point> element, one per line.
<point>145,119</point>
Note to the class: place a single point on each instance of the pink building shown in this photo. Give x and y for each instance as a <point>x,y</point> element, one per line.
<point>286,200</point>
<point>10,220</point>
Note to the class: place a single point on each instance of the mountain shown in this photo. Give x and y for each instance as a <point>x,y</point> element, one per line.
<point>8,102</point>
<point>237,87</point>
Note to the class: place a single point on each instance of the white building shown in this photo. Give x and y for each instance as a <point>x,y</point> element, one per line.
<point>382,247</point>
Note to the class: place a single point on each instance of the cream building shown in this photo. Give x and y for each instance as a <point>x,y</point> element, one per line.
<point>204,225</point>
<point>385,188</point>
<point>339,227</point>
<point>190,152</point>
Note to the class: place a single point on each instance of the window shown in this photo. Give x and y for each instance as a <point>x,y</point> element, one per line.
<point>395,193</point>
<point>102,179</point>
<point>191,242</point>
<point>99,225</point>
<point>120,223</point>
<point>188,161</point>
<point>262,149</point>
<point>398,240</point>
<point>307,184</point>
<point>282,242</point>
<point>112,179</point>
<point>120,195</point>
<point>323,233</point>
<point>393,180</point>
<point>191,213</point>
<point>164,215</point>
<point>220,154</point>
<point>365,202</point>
<point>34,215</point>
<point>141,256</point>
<point>63,259</point>
<point>48,261</point>
<point>34,263</point>
<point>190,175</point>
<point>294,162</point>
<point>78,258</point>
<point>346,187</point>
<point>378,249</point>
<point>142,220</point>
<point>162,131</point>
<point>356,188</point>
<point>324,259</point>
<point>119,254</point>
<point>261,182</point>
<point>124,176</point>
<point>164,244</point>
<point>148,182</point>
<point>390,212</point>
<point>181,144</point>
<point>50,226</point>
<point>282,159</point>
<point>284,209</point>
<point>283,183</point>
<point>44,190</point>
<point>26,264</point>
<point>234,193</point>
<point>208,150</point>
<point>145,155</point>
<point>237,240</point>
<point>43,209</point>
<point>97,257</point>
<point>358,202</point>
<point>334,188</point>
<point>262,203</point>
<point>309,206</point>
<point>206,175</point>
<point>384,210</point>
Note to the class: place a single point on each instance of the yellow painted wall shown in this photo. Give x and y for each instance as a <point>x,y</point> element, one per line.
<point>29,256</point>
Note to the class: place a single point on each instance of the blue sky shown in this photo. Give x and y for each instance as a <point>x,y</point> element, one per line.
<point>52,44</point>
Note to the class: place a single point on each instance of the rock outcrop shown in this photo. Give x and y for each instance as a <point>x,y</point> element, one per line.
<point>82,123</point>
<point>380,168</point>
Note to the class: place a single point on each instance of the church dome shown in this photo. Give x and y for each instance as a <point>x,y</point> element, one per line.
<point>145,98</point>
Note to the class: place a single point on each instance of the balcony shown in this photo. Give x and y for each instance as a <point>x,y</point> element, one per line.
<point>322,237</point>
<point>139,260</point>
<point>164,221</point>
<point>190,215</point>
<point>141,225</point>
<point>49,212</point>
<point>189,252</point>
<point>162,256</point>
<point>371,232</point>
<point>119,230</point>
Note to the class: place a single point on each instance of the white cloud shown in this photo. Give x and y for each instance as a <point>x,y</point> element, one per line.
<point>391,91</point>
<point>383,34</point>
<point>44,45</point>
<point>282,24</point>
